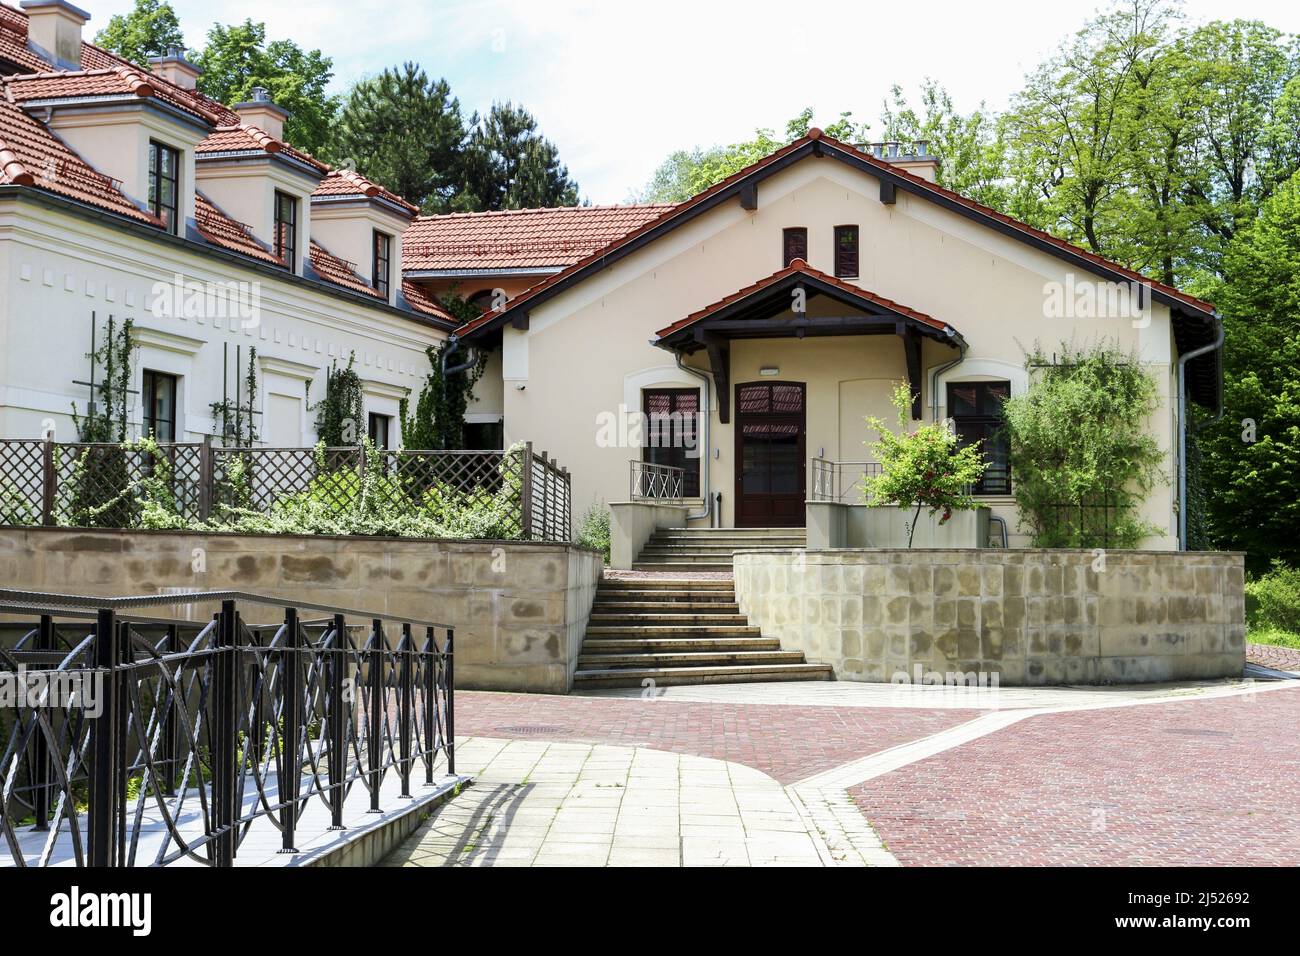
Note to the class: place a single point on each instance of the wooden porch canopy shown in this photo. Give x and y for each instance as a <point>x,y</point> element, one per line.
<point>751,313</point>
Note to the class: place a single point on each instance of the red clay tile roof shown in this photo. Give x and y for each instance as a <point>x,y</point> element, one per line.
<point>339,271</point>
<point>31,156</point>
<point>221,230</point>
<point>347,182</point>
<point>825,142</point>
<point>418,298</point>
<point>120,80</point>
<point>238,137</point>
<point>802,268</point>
<point>519,238</point>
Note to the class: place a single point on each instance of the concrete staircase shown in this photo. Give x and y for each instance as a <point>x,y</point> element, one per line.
<point>679,631</point>
<point>710,549</point>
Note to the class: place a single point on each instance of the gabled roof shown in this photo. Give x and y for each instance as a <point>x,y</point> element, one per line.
<point>799,272</point>
<point>118,81</point>
<point>518,239</point>
<point>349,184</point>
<point>239,137</point>
<point>816,144</point>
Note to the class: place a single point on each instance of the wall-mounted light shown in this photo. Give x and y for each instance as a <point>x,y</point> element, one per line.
<point>769,370</point>
<point>520,386</point>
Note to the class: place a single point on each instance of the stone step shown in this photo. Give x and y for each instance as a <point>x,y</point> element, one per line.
<point>666,584</point>
<point>678,605</point>
<point>675,630</point>
<point>753,542</point>
<point>619,645</point>
<point>681,567</point>
<point>731,674</point>
<point>686,659</point>
<point>710,551</point>
<point>666,617</point>
<point>737,532</point>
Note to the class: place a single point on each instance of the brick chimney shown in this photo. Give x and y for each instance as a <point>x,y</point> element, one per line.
<point>54,31</point>
<point>174,68</point>
<point>262,113</point>
<point>915,157</point>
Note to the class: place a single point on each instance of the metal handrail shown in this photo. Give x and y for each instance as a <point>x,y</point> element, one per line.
<point>830,479</point>
<point>656,482</point>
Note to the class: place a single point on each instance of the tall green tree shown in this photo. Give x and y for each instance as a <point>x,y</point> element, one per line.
<point>406,132</point>
<point>1250,462</point>
<point>150,28</point>
<point>508,164</point>
<point>238,57</point>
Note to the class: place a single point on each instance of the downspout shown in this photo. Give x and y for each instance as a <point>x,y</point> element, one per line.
<point>1182,425</point>
<point>706,410</point>
<point>934,376</point>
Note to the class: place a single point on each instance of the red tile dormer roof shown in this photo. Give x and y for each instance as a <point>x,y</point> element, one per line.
<point>230,234</point>
<point>343,183</point>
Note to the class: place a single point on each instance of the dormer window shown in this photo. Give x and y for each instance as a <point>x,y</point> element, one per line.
<point>286,228</point>
<point>380,270</point>
<point>164,184</point>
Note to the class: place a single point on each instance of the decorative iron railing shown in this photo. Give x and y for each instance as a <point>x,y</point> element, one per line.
<point>95,485</point>
<point>201,730</point>
<point>840,480</point>
<point>659,482</point>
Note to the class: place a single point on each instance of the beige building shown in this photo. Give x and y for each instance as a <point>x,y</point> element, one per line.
<point>785,304</point>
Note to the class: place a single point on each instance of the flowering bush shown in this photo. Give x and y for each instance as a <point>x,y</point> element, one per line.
<point>921,466</point>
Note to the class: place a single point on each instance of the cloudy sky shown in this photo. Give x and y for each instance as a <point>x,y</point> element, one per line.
<point>619,85</point>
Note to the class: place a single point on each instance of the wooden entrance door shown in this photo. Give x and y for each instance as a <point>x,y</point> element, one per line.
<point>770,425</point>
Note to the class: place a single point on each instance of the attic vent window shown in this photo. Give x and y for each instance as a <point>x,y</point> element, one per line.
<point>846,252</point>
<point>794,245</point>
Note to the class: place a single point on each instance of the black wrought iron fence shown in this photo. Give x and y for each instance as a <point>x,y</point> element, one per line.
<point>523,494</point>
<point>198,731</point>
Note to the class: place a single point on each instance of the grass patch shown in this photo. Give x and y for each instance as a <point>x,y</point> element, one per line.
<point>1273,635</point>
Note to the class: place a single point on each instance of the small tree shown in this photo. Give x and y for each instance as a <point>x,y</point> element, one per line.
<point>1081,454</point>
<point>922,466</point>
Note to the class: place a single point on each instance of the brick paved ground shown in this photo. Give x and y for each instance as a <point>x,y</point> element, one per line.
<point>1275,656</point>
<point>1195,782</point>
<point>787,742</point>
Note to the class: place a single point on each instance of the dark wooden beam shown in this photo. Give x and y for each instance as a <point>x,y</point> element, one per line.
<point>888,192</point>
<point>749,196</point>
<point>720,363</point>
<point>519,321</point>
<point>912,351</point>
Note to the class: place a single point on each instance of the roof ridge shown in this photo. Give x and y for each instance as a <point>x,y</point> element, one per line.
<point>546,209</point>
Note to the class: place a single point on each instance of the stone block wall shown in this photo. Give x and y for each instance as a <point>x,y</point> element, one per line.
<point>519,608</point>
<point>1030,616</point>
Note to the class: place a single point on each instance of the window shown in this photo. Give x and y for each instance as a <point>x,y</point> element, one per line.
<point>164,189</point>
<point>484,436</point>
<point>671,432</point>
<point>379,267</point>
<point>159,391</point>
<point>846,252</point>
<point>379,426</point>
<point>286,228</point>
<point>976,410</point>
<point>794,245</point>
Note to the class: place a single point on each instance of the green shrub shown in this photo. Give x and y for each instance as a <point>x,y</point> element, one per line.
<point>594,529</point>
<point>1273,600</point>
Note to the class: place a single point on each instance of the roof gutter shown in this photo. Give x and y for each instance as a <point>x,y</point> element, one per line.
<point>1183,425</point>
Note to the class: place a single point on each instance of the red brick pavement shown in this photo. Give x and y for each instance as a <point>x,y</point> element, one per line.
<point>1197,782</point>
<point>785,741</point>
<point>1275,656</point>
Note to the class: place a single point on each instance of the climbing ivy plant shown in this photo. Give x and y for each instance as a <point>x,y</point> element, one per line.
<point>439,417</point>
<point>105,419</point>
<point>340,414</point>
<point>1082,458</point>
<point>233,420</point>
